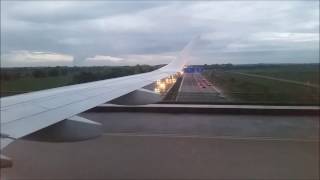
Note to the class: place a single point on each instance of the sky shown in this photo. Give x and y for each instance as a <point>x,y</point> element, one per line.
<point>112,33</point>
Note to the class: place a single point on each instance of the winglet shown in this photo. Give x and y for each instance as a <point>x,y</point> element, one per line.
<point>183,57</point>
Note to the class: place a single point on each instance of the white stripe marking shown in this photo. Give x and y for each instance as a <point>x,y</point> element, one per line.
<point>212,137</point>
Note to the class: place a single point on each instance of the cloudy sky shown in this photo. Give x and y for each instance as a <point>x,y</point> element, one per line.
<point>88,33</point>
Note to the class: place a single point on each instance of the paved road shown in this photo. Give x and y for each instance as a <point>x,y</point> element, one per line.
<point>177,146</point>
<point>196,88</point>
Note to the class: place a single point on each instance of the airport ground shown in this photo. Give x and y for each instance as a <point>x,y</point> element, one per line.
<point>262,86</point>
<point>187,145</point>
<point>150,145</point>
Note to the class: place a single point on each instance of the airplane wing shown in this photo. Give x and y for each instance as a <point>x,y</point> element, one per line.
<point>27,113</point>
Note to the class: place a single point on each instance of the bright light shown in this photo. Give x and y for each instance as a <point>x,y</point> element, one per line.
<point>157,90</point>
<point>162,85</point>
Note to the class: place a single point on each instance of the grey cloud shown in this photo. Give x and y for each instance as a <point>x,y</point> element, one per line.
<point>124,28</point>
<point>66,11</point>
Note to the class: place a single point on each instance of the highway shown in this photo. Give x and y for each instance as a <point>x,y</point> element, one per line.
<point>196,88</point>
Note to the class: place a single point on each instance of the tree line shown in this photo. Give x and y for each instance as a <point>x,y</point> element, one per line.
<point>79,74</point>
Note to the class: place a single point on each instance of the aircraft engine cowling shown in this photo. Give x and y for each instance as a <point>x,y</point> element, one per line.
<point>72,129</point>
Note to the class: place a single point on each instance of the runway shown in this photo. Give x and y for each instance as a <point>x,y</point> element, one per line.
<point>196,88</point>
<point>177,146</point>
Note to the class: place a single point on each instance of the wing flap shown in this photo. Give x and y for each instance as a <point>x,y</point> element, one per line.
<point>20,111</point>
<point>57,101</point>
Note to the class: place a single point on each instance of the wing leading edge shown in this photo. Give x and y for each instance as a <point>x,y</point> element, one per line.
<point>27,113</point>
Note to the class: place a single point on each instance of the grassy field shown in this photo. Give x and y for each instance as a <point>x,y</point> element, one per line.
<point>244,89</point>
<point>308,73</point>
<point>33,84</point>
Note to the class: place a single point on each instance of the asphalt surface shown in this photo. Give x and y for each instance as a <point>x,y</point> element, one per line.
<point>177,146</point>
<point>196,88</point>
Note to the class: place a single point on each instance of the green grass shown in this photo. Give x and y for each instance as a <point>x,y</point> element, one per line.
<point>33,84</point>
<point>300,73</point>
<point>244,89</point>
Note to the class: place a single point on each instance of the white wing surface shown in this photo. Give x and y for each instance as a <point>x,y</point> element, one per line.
<point>27,113</point>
